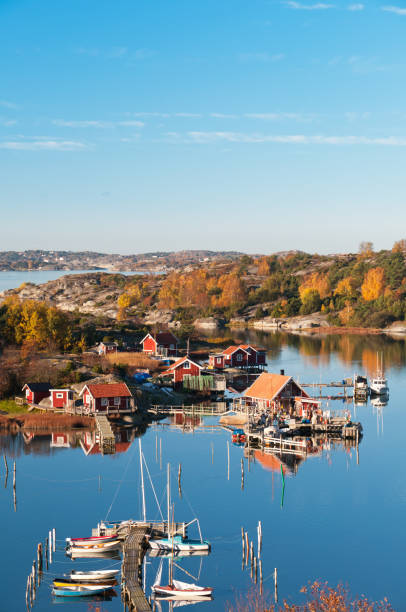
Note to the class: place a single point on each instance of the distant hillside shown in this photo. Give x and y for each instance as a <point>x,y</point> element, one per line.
<point>353,290</point>
<point>87,260</point>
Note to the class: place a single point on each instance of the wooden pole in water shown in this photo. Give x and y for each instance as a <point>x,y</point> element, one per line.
<point>50,546</point>
<point>46,553</point>
<point>242,542</point>
<point>53,539</point>
<point>14,475</point>
<point>99,483</point>
<point>255,570</point>
<point>357,447</point>
<point>27,592</point>
<point>242,473</point>
<point>228,460</point>
<point>276,584</point>
<point>6,464</point>
<point>260,576</point>
<point>259,533</point>
<point>252,553</point>
<point>179,480</point>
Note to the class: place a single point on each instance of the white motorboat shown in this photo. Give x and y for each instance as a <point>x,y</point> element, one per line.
<point>379,384</point>
<point>179,544</point>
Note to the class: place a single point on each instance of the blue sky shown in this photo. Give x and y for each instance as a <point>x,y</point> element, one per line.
<point>259,126</point>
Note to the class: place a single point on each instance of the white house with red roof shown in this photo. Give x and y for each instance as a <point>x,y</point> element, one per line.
<point>107,397</point>
<point>182,367</point>
<point>164,343</point>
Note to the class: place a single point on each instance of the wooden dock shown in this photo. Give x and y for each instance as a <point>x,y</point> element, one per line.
<point>133,555</point>
<point>107,440</point>
<point>215,408</point>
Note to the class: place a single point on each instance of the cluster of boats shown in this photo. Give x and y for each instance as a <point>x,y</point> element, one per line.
<point>83,584</point>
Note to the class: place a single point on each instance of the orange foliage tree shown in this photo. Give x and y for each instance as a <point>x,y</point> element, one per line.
<point>317,282</point>
<point>346,286</point>
<point>374,284</point>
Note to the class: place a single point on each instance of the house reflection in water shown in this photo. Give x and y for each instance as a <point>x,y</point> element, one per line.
<point>186,422</point>
<point>288,462</point>
<point>45,443</point>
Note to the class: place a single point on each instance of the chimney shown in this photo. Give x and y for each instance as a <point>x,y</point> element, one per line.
<point>282,372</point>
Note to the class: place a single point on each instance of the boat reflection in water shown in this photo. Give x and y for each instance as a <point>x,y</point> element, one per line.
<point>178,554</point>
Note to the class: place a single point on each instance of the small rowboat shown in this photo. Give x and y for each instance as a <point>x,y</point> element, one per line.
<point>182,590</point>
<point>93,548</point>
<point>93,575</point>
<point>67,582</point>
<point>79,591</point>
<point>89,542</point>
<point>104,538</point>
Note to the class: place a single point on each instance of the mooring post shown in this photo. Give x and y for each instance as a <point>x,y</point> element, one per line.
<point>243,543</point>
<point>179,480</point>
<point>50,546</point>
<point>228,460</point>
<point>242,473</point>
<point>276,584</point>
<point>255,570</point>
<point>259,533</point>
<point>260,576</point>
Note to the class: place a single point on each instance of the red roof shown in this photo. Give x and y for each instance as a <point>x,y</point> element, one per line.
<point>108,390</point>
<point>178,363</point>
<point>166,338</point>
<point>231,349</point>
<point>267,386</point>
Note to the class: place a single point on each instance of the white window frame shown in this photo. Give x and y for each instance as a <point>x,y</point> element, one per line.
<point>186,365</point>
<point>117,401</point>
<point>239,357</point>
<point>218,359</point>
<point>104,401</point>
<point>59,395</point>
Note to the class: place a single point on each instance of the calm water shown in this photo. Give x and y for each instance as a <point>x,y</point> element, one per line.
<point>339,522</point>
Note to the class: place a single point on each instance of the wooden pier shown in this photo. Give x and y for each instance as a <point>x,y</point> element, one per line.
<point>133,554</point>
<point>107,440</point>
<point>217,408</point>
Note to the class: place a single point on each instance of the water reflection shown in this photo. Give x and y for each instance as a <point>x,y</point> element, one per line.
<point>49,442</point>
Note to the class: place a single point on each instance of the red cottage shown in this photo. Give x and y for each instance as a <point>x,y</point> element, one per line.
<point>274,390</point>
<point>105,348</point>
<point>35,392</point>
<point>107,397</point>
<point>181,368</point>
<point>61,398</point>
<point>241,356</point>
<point>162,343</point>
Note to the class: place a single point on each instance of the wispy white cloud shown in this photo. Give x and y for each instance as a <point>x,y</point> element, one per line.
<point>96,124</point>
<point>81,124</point>
<point>223,116</point>
<point>142,54</point>
<point>8,104</point>
<point>188,115</point>
<point>261,57</point>
<point>151,114</point>
<point>279,116</point>
<point>356,7</point>
<point>394,9</point>
<point>43,145</point>
<point>318,6</point>
<point>130,123</point>
<point>8,122</point>
<point>258,138</point>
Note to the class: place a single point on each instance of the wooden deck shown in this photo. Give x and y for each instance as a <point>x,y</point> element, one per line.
<point>133,555</point>
<point>107,440</point>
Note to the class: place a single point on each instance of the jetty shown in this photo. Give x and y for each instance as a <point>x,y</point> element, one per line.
<point>107,440</point>
<point>134,536</point>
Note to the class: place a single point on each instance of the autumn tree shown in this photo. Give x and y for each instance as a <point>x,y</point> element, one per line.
<point>399,247</point>
<point>317,282</point>
<point>366,248</point>
<point>374,284</point>
<point>346,286</point>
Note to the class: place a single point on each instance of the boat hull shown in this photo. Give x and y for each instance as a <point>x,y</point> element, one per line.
<point>93,575</point>
<point>66,592</point>
<point>179,545</point>
<point>188,594</point>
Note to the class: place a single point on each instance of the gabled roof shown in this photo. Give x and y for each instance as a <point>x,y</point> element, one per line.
<point>108,344</point>
<point>178,363</point>
<point>232,349</point>
<point>252,346</point>
<point>107,390</point>
<point>164,337</point>
<point>38,386</point>
<point>267,386</point>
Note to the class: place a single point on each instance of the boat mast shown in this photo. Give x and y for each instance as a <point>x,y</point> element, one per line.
<point>168,495</point>
<point>144,510</point>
